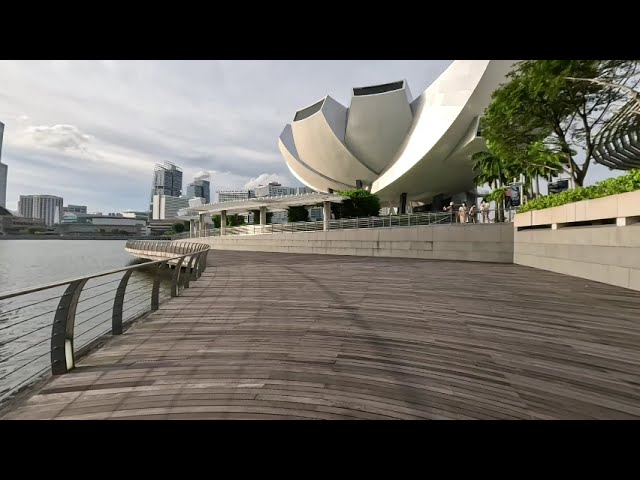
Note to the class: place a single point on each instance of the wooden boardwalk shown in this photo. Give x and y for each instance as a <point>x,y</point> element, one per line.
<point>272,336</point>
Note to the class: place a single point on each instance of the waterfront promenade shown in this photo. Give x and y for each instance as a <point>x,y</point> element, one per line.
<point>271,335</point>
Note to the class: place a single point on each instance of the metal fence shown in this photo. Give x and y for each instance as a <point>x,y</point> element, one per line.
<point>78,311</point>
<point>406,220</point>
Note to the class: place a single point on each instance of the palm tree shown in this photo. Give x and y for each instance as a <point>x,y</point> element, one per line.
<point>491,170</point>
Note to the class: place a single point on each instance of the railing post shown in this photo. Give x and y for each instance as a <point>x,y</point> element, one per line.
<point>62,352</point>
<point>189,270</point>
<point>204,260</point>
<point>175,288</point>
<point>155,291</point>
<point>118,304</point>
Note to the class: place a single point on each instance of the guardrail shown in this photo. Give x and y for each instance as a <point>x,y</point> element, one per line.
<point>406,220</point>
<point>66,305</point>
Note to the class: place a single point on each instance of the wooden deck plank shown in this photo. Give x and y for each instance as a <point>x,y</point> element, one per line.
<point>275,336</point>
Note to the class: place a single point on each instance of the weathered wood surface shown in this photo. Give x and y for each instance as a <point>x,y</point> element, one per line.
<point>270,336</point>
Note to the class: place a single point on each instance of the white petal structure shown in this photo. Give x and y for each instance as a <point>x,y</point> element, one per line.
<point>392,143</point>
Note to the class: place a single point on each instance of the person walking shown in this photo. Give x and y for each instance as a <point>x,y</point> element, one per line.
<point>484,209</point>
<point>462,212</point>
<point>473,214</point>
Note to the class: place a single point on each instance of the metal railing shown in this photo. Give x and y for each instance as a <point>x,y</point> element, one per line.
<point>74,308</point>
<point>387,221</point>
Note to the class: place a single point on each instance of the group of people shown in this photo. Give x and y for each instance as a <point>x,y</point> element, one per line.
<point>464,214</point>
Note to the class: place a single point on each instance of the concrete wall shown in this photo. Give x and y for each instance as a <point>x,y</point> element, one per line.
<point>479,243</point>
<point>603,253</point>
<point>622,206</point>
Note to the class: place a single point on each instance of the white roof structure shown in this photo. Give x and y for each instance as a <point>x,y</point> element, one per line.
<point>273,204</point>
<point>392,143</point>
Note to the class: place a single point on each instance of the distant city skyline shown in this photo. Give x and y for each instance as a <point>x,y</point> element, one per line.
<point>92,131</point>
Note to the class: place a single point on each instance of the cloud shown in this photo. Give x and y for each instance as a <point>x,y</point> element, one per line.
<point>60,137</point>
<point>265,179</point>
<point>202,175</point>
<point>98,127</point>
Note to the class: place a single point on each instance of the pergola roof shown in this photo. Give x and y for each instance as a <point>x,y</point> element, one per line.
<point>274,204</point>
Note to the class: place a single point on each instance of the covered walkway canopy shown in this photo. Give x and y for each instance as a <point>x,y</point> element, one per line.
<point>263,204</point>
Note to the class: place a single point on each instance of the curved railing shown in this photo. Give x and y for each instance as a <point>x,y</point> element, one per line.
<point>164,248</point>
<point>66,305</point>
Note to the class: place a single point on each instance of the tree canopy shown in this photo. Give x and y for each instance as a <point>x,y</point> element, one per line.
<point>178,227</point>
<point>542,117</point>
<point>297,214</point>
<point>360,203</point>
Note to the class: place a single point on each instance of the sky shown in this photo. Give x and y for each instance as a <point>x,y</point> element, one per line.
<point>92,131</point>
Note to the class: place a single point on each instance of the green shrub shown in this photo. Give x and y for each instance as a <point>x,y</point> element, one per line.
<point>610,186</point>
<point>297,214</point>
<point>360,203</point>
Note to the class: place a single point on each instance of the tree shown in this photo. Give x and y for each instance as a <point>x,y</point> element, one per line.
<point>216,220</point>
<point>234,220</point>
<point>361,203</point>
<point>542,103</point>
<point>178,227</point>
<point>297,214</point>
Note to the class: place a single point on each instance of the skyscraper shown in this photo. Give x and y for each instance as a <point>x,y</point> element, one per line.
<point>167,179</point>
<point>200,187</point>
<point>4,170</point>
<point>45,207</point>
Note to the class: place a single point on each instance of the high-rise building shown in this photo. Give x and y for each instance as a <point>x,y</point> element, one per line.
<point>230,195</point>
<point>45,207</point>
<point>274,189</point>
<point>167,180</point>
<point>165,206</point>
<point>200,187</point>
<point>4,172</point>
<point>74,209</point>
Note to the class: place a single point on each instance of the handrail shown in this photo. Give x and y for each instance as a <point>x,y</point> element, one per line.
<point>187,256</point>
<point>382,221</point>
<point>61,283</point>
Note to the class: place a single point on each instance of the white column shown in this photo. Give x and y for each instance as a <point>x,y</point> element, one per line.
<point>223,222</point>
<point>202,225</point>
<point>192,228</point>
<point>263,216</point>
<point>326,215</point>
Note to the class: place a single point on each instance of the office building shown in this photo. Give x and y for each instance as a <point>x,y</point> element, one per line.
<point>13,225</point>
<point>274,189</point>
<point>83,224</point>
<point>200,188</point>
<point>167,206</point>
<point>74,209</point>
<point>230,195</point>
<point>4,172</point>
<point>167,180</point>
<point>136,214</point>
<point>45,207</point>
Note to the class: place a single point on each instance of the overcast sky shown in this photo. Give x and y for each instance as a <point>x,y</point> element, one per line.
<point>91,131</point>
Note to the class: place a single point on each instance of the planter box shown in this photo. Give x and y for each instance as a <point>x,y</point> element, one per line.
<point>623,205</point>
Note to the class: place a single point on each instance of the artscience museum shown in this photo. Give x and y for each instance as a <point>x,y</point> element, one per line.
<point>405,150</point>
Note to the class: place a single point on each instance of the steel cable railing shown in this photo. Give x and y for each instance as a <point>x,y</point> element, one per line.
<point>387,221</point>
<point>153,282</point>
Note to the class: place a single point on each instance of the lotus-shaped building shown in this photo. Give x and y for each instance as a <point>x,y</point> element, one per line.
<point>397,147</point>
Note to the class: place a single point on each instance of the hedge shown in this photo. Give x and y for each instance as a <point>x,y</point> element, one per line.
<point>611,186</point>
